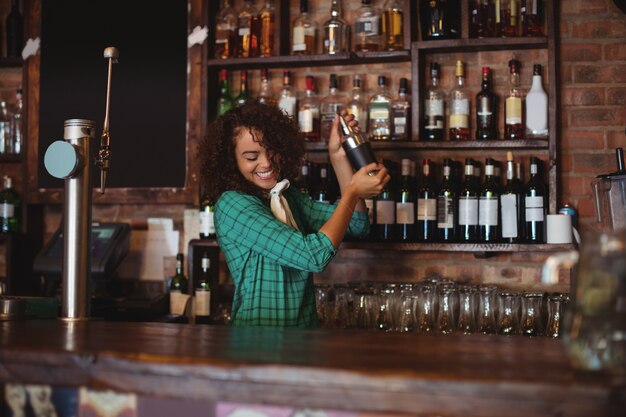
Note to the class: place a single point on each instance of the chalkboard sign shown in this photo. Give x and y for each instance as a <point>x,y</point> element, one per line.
<point>149,85</point>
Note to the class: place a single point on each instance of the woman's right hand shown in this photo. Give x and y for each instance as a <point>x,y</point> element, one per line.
<point>368,184</point>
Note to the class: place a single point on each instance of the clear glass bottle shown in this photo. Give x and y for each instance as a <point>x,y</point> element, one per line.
<point>226,31</point>
<point>488,206</point>
<point>426,206</point>
<point>440,19</point>
<point>267,16</point>
<point>367,28</point>
<point>202,298</point>
<point>459,107</point>
<point>393,25</point>
<point>405,204</point>
<point>508,18</point>
<point>380,112</point>
<point>244,29</point>
<point>309,112</point>
<point>266,96</point>
<point>336,32</point>
<point>330,106</point>
<point>511,204</point>
<point>513,126</point>
<point>357,106</point>
<point>304,32</point>
<point>5,129</point>
<point>434,100</point>
<point>17,123</point>
<point>532,12</point>
<point>244,93</point>
<point>401,113</point>
<point>287,98</point>
<point>225,101</point>
<point>537,107</point>
<point>10,207</point>
<point>447,214</point>
<point>15,31</point>
<point>486,109</point>
<point>485,27</point>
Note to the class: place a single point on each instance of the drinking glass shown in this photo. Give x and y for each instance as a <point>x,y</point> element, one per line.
<point>447,309</point>
<point>407,313</point>
<point>425,314</point>
<point>532,322</point>
<point>467,306</point>
<point>486,309</point>
<point>321,301</point>
<point>509,313</point>
<point>556,304</point>
<point>343,306</point>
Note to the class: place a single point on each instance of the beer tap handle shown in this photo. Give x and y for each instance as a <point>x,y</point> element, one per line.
<point>104,154</point>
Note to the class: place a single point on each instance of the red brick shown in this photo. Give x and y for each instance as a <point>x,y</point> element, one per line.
<point>600,73</point>
<point>566,73</point>
<point>582,139</point>
<point>601,29</point>
<point>576,186</point>
<point>616,139</point>
<point>616,96</point>
<point>592,96</point>
<point>588,117</point>
<point>581,52</point>
<point>578,7</point>
<point>586,208</point>
<point>565,163</point>
<point>615,52</point>
<point>565,28</point>
<point>597,162</point>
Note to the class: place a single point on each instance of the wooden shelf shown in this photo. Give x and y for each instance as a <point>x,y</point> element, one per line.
<point>469,145</point>
<point>485,44</point>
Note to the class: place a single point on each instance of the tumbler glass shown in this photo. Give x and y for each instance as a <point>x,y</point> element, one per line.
<point>407,313</point>
<point>446,314</point>
<point>532,321</point>
<point>425,314</point>
<point>467,306</point>
<point>509,313</point>
<point>486,309</point>
<point>556,305</point>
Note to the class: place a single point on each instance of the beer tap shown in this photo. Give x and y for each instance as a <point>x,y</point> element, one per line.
<point>103,161</point>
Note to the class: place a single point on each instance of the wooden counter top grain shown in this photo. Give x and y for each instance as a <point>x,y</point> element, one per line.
<point>425,375</point>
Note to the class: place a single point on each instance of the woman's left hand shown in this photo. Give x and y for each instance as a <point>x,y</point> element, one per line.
<point>335,150</point>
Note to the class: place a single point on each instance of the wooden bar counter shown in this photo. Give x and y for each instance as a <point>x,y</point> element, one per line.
<point>356,371</point>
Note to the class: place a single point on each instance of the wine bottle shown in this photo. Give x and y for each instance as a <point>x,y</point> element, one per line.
<point>385,209</point>
<point>10,204</point>
<point>207,218</point>
<point>511,204</point>
<point>535,197</point>
<point>433,107</point>
<point>488,206</point>
<point>304,180</point>
<point>322,190</point>
<point>426,206</point>
<point>513,127</point>
<point>178,285</point>
<point>244,93</point>
<point>486,109</point>
<point>202,298</point>
<point>405,204</point>
<point>225,101</point>
<point>468,205</point>
<point>401,112</point>
<point>447,196</point>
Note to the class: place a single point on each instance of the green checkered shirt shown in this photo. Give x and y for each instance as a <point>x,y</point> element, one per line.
<point>271,262</point>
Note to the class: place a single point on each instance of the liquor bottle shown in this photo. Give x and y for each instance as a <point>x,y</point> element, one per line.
<point>244,94</point>
<point>357,148</point>
<point>179,282</point>
<point>535,197</point>
<point>367,28</point>
<point>393,25</point>
<point>202,298</point>
<point>5,128</point>
<point>304,31</point>
<point>440,19</point>
<point>267,17</point>
<point>458,122</point>
<point>266,96</point>
<point>447,214</point>
<point>287,98</point>
<point>433,107</point>
<point>322,188</point>
<point>11,206</point>
<point>379,112</point>
<point>426,206</point>
<point>207,218</point>
<point>17,123</point>
<point>225,101</point>
<point>536,107</point>
<point>405,204</point>
<point>508,18</point>
<point>532,12</point>
<point>401,113</point>
<point>357,106</point>
<point>486,110</point>
<point>336,32</point>
<point>513,127</point>
<point>488,206</point>
<point>330,106</point>
<point>244,29</point>
<point>226,31</point>
<point>485,25</point>
<point>304,180</point>
<point>472,10</point>
<point>511,204</point>
<point>15,31</point>
<point>468,206</point>
<point>385,210</point>
<point>309,113</point>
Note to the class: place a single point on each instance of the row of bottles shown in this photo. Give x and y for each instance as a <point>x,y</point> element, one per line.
<point>179,289</point>
<point>526,115</point>
<point>14,31</point>
<point>10,207</point>
<point>11,126</point>
<point>245,33</point>
<point>505,18</point>
<point>460,208</point>
<point>383,115</point>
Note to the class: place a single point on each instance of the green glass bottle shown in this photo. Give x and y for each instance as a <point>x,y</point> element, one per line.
<point>225,101</point>
<point>202,300</point>
<point>10,204</point>
<point>244,94</point>
<point>179,280</point>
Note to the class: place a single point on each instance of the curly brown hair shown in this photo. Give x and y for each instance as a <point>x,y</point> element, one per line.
<point>278,133</point>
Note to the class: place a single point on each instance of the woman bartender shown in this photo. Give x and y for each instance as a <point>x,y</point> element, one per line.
<point>273,237</point>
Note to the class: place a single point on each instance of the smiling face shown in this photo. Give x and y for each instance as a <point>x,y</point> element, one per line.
<point>254,161</point>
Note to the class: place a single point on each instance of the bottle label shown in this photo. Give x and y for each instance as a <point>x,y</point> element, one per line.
<point>202,302</point>
<point>426,209</point>
<point>8,210</point>
<point>534,209</point>
<point>207,223</point>
<point>385,212</point>
<point>178,302</point>
<point>379,111</point>
<point>367,26</point>
<point>288,105</point>
<point>468,211</point>
<point>434,108</point>
<point>459,113</point>
<point>305,119</point>
<point>459,121</point>
<point>508,204</point>
<point>405,213</point>
<point>298,39</point>
<point>488,211</point>
<point>513,110</point>
<point>445,212</point>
